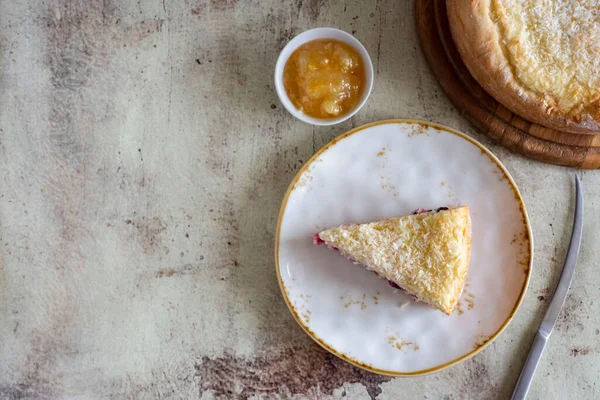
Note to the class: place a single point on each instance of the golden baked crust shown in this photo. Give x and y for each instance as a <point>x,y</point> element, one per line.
<point>539,58</point>
<point>427,254</point>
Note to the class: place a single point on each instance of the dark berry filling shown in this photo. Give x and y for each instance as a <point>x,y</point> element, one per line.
<point>394,285</point>
<point>317,239</point>
<point>423,210</point>
<point>420,211</point>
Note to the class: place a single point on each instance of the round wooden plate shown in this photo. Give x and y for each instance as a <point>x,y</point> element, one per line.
<point>483,111</point>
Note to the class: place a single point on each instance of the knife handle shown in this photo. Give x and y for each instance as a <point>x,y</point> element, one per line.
<point>533,359</point>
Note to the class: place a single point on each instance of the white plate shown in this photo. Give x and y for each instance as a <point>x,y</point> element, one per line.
<point>388,169</point>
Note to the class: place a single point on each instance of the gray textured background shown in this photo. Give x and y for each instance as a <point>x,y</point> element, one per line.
<point>144,156</point>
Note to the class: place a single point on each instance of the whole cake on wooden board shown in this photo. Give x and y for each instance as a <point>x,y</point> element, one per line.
<point>539,58</point>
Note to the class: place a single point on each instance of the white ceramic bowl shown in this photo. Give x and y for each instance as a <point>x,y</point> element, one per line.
<point>310,35</point>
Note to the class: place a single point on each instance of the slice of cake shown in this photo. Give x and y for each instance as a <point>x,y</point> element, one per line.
<point>425,254</point>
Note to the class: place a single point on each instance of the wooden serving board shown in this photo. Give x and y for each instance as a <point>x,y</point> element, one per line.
<point>483,111</point>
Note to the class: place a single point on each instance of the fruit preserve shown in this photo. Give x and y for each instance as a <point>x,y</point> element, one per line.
<point>324,78</point>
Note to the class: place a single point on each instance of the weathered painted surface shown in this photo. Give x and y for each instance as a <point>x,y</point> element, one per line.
<point>143,158</point>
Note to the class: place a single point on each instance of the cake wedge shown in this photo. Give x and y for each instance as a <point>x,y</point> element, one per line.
<point>426,254</point>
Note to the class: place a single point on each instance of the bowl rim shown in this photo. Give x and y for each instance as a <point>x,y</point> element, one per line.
<point>457,360</point>
<point>314,34</point>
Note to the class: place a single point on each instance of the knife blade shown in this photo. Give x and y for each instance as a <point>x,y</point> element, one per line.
<point>557,302</point>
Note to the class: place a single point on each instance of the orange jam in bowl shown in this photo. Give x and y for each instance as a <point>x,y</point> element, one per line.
<point>324,78</point>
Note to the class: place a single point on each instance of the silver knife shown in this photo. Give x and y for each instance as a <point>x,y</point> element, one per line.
<point>558,299</point>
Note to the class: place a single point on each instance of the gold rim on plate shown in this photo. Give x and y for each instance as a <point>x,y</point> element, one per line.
<point>350,359</point>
